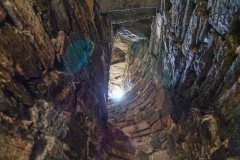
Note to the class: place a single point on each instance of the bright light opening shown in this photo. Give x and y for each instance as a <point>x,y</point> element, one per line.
<point>117,93</point>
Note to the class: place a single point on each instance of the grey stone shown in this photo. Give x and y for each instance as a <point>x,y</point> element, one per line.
<point>148,112</point>
<point>162,135</point>
<point>154,118</point>
<point>141,156</point>
<point>159,125</point>
<point>155,142</point>
<point>129,115</point>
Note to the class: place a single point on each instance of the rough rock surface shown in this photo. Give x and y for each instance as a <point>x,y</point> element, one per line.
<point>54,64</point>
<point>184,100</point>
<point>181,74</point>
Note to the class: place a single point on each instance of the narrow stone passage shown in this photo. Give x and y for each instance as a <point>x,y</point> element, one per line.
<point>179,93</point>
<point>175,62</point>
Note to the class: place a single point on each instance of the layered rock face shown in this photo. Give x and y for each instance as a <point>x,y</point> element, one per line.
<point>200,67</point>
<point>54,64</point>
<point>179,65</point>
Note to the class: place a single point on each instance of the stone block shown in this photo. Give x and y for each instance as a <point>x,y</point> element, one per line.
<point>142,126</point>
<point>142,133</point>
<point>136,110</point>
<point>159,125</point>
<point>209,127</point>
<point>149,88</point>
<point>122,124</point>
<point>120,119</point>
<point>143,146</point>
<point>111,120</point>
<point>129,115</point>
<point>167,107</point>
<point>136,103</point>
<point>128,130</point>
<point>177,134</point>
<point>142,106</point>
<point>118,116</point>
<point>114,105</point>
<point>164,145</point>
<point>160,98</point>
<point>117,109</point>
<point>171,146</point>
<point>147,113</point>
<point>142,156</point>
<point>155,117</point>
<point>122,110</point>
<point>111,115</point>
<point>138,118</point>
<point>136,139</point>
<point>155,142</point>
<point>163,155</point>
<point>162,135</point>
<point>150,94</point>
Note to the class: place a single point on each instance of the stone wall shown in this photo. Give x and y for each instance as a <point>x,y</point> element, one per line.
<point>197,45</point>
<point>184,96</point>
<point>54,62</point>
<point>199,58</point>
<point>143,113</point>
<point>184,103</point>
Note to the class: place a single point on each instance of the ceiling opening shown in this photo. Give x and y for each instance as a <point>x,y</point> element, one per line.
<point>126,35</point>
<point>118,79</point>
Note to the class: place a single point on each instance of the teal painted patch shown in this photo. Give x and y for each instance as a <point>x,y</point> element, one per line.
<point>77,55</point>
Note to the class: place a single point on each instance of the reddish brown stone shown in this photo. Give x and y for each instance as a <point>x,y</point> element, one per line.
<point>142,126</point>
<point>159,125</point>
<point>128,130</point>
<point>154,118</point>
<point>142,133</point>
